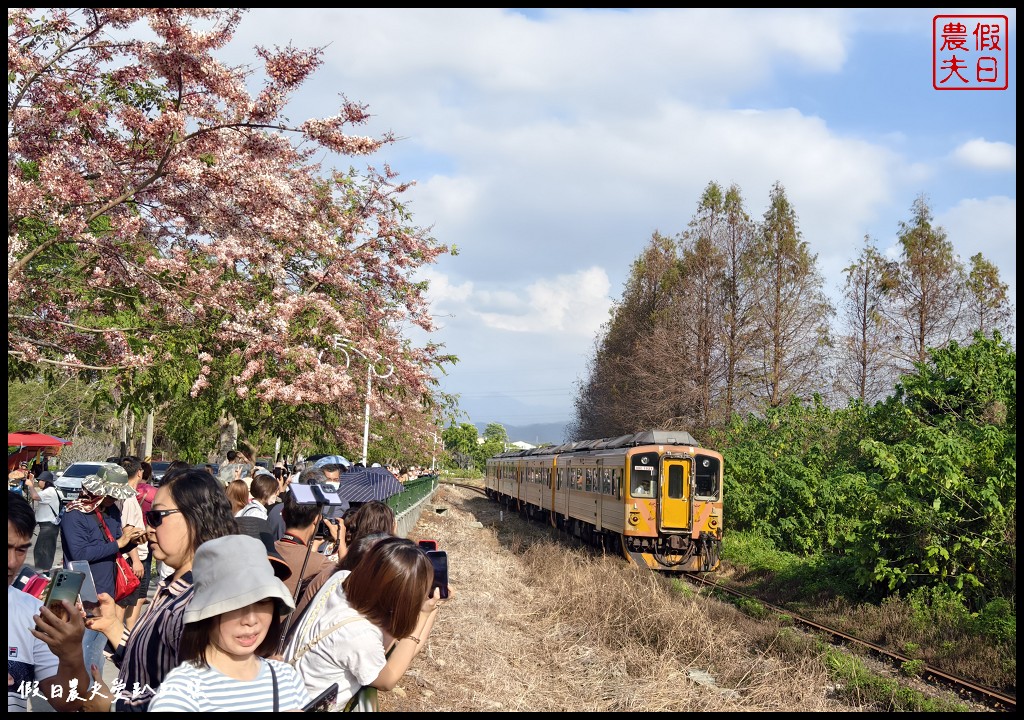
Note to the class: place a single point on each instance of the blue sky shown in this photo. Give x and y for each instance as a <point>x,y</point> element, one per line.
<point>548,146</point>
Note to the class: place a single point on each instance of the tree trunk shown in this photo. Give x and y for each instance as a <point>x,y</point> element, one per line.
<point>228,437</point>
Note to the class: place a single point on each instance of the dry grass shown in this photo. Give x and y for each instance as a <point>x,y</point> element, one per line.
<point>893,624</point>
<point>537,624</point>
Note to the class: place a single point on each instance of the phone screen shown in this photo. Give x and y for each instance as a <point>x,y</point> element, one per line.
<point>439,559</point>
<point>303,494</point>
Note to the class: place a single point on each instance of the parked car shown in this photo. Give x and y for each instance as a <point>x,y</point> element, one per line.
<point>69,481</point>
<point>159,468</point>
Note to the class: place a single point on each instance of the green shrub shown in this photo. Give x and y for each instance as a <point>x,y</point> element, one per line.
<point>912,668</point>
<point>998,621</point>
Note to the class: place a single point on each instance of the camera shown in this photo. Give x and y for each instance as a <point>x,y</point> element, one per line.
<point>322,530</point>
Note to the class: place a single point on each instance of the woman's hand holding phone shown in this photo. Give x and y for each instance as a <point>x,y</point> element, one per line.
<point>61,632</point>
<point>105,620</point>
<point>130,535</point>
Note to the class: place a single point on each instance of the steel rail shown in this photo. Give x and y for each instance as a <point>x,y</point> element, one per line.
<point>990,696</point>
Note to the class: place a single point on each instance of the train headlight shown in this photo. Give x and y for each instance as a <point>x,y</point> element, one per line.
<point>634,518</point>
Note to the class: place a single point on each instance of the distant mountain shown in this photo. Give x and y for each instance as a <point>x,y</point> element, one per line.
<point>536,434</point>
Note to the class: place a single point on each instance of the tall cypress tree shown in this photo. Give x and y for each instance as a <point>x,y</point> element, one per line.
<point>864,367</point>
<point>791,309</point>
<point>926,291</point>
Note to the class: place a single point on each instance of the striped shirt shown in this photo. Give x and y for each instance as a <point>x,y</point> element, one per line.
<point>150,651</point>
<point>191,689</point>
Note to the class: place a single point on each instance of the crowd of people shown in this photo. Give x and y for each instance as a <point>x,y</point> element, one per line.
<point>260,603</point>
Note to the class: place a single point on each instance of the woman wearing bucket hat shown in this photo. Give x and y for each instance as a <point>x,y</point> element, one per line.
<point>89,520</point>
<point>189,509</point>
<point>232,623</point>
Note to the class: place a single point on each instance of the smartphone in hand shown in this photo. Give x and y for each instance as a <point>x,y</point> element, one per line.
<point>428,544</point>
<point>65,585</point>
<point>88,595</point>
<point>439,559</point>
<point>323,701</point>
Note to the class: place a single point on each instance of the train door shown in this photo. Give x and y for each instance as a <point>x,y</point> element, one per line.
<point>675,493</point>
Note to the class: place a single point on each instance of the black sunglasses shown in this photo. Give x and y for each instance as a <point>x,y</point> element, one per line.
<point>155,518</point>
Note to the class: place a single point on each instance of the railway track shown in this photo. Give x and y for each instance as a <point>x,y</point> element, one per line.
<point>465,486</point>
<point>990,697</point>
<point>995,699</point>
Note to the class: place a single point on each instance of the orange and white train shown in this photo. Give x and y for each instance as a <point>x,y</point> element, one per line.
<point>655,495</point>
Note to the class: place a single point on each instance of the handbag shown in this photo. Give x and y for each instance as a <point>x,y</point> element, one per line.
<point>125,582</point>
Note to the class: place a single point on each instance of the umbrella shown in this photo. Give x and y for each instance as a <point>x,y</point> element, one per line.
<point>34,440</point>
<point>331,460</point>
<point>31,444</point>
<point>368,484</point>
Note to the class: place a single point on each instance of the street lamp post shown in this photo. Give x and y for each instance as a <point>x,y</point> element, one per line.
<point>344,344</point>
<point>370,372</point>
<point>433,455</point>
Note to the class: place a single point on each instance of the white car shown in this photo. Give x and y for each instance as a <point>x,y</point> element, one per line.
<point>69,481</point>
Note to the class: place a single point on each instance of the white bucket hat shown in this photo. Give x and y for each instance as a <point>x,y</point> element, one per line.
<point>231,572</point>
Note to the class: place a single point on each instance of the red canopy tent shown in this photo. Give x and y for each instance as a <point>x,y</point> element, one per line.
<point>30,445</point>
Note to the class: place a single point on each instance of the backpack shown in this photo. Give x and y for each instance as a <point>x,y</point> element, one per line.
<point>144,493</point>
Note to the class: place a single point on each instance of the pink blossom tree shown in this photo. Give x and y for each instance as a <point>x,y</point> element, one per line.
<point>174,232</point>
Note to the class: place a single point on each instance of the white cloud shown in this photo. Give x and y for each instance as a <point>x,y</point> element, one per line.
<point>574,304</point>
<point>988,226</point>
<point>981,154</point>
<point>441,291</point>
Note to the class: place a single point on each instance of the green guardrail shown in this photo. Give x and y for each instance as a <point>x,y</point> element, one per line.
<point>415,490</point>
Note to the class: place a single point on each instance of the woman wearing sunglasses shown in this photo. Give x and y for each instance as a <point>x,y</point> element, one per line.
<point>190,508</point>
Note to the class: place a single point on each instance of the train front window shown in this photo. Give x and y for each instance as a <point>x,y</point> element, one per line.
<point>707,476</point>
<point>643,472</point>
<point>643,487</point>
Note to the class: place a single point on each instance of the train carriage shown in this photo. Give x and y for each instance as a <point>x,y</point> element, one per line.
<point>655,495</point>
